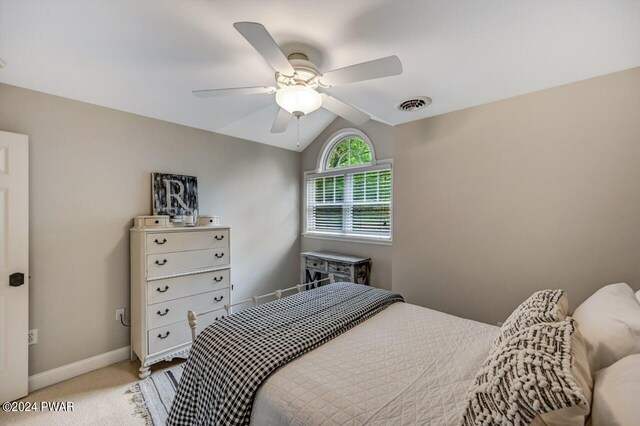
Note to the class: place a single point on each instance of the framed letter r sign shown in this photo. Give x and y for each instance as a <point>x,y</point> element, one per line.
<point>174,195</point>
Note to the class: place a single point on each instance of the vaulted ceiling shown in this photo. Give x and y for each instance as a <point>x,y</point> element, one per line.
<point>146,57</point>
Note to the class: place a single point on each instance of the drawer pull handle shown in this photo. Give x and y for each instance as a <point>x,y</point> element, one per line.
<point>218,299</point>
<point>218,279</point>
<point>166,311</point>
<point>219,237</point>
<point>166,287</point>
<point>160,336</point>
<point>164,240</point>
<point>219,255</point>
<point>164,262</point>
<point>157,222</point>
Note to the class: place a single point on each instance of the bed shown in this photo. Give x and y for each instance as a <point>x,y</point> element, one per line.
<point>406,365</point>
<point>396,364</point>
<point>347,354</point>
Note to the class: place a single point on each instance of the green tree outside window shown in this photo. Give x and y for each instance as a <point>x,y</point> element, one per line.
<point>351,151</point>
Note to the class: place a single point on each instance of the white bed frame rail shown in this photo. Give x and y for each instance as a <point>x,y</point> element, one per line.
<point>193,318</point>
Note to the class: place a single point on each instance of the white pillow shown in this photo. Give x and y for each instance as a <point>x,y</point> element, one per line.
<point>638,296</point>
<point>615,394</point>
<point>609,321</point>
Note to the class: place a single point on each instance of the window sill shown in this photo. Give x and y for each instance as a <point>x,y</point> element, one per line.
<point>347,239</point>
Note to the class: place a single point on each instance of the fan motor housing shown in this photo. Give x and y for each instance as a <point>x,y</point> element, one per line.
<point>306,72</point>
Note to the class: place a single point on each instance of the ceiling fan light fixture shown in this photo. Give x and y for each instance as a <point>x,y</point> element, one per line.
<point>298,99</point>
<point>297,79</point>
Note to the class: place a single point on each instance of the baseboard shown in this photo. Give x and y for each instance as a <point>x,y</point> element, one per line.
<point>66,372</point>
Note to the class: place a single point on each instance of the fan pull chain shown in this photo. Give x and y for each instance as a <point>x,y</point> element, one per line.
<point>298,135</point>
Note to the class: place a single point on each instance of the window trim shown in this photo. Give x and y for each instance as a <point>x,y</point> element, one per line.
<point>322,171</point>
<point>333,141</point>
<point>348,238</point>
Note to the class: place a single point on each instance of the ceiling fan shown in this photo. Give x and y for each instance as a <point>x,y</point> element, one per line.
<point>298,80</point>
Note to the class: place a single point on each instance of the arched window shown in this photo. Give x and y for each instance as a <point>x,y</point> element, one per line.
<point>346,148</point>
<point>350,193</point>
<point>348,152</point>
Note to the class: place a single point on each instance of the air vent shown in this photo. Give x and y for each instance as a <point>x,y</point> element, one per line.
<point>414,104</point>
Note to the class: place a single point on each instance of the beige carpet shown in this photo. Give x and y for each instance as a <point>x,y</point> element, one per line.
<point>100,397</point>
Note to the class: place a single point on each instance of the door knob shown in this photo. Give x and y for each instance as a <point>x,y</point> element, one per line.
<point>16,279</point>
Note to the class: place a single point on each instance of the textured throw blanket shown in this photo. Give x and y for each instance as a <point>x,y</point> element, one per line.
<point>231,358</point>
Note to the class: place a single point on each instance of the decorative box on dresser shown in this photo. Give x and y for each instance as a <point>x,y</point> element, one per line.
<point>175,269</point>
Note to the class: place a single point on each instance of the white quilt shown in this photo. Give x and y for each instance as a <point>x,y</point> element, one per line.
<point>407,365</point>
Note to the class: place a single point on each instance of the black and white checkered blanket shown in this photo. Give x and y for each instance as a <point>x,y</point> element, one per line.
<point>231,358</point>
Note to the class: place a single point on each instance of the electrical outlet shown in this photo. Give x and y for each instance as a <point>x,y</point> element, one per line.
<point>120,312</point>
<point>33,336</point>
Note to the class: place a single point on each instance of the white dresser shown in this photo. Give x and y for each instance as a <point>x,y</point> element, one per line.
<point>174,270</point>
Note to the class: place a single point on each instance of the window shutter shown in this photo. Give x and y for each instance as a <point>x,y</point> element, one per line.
<point>350,204</point>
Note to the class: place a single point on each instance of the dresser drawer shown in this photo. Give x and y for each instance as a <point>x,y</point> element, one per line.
<point>157,221</point>
<point>165,313</point>
<point>316,264</point>
<point>340,268</point>
<point>174,288</point>
<point>185,261</point>
<point>167,337</point>
<point>167,242</point>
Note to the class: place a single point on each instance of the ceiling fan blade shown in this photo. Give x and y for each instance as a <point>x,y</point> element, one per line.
<point>258,36</point>
<point>233,91</point>
<point>378,68</point>
<point>344,110</point>
<point>282,121</point>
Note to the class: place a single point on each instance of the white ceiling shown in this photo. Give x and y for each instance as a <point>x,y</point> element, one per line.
<point>145,57</point>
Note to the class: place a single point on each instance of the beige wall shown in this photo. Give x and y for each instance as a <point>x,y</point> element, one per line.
<point>490,204</point>
<point>90,171</point>
<point>382,137</point>
<point>538,191</point>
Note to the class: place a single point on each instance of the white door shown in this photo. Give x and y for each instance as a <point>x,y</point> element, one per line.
<point>14,265</point>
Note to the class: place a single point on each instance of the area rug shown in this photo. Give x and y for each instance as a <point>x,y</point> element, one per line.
<point>153,396</point>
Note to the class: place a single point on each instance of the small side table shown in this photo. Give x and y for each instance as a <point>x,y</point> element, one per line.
<point>318,265</point>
